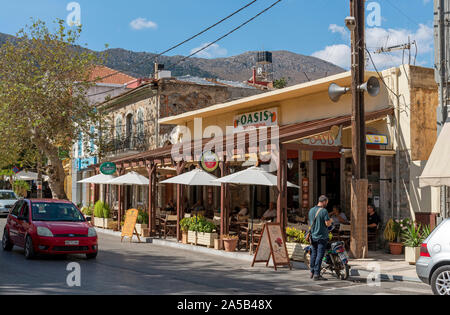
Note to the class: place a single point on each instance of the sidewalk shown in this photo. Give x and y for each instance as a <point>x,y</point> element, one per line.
<point>390,267</point>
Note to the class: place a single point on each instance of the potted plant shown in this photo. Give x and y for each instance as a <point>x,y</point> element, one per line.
<point>393,233</point>
<point>230,242</point>
<point>413,236</point>
<point>142,222</point>
<point>295,243</point>
<point>185,223</point>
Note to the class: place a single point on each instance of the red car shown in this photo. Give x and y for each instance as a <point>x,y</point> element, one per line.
<point>49,227</point>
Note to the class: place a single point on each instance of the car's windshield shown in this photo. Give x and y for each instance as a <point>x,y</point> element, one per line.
<point>7,195</point>
<point>43,211</point>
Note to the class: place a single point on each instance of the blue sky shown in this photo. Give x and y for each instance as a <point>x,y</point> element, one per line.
<point>302,26</point>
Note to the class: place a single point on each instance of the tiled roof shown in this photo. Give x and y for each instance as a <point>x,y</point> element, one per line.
<point>109,76</point>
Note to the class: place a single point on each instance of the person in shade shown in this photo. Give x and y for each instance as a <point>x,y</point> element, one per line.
<point>372,219</point>
<point>319,221</point>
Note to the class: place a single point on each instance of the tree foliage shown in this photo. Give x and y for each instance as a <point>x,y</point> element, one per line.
<point>44,81</point>
<point>280,83</point>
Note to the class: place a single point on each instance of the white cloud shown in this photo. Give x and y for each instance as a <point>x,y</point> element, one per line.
<point>378,37</point>
<point>336,54</point>
<point>142,23</point>
<point>213,51</point>
<point>334,28</point>
<point>426,1</point>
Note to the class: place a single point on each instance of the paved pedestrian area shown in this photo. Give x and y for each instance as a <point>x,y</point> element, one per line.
<point>132,268</point>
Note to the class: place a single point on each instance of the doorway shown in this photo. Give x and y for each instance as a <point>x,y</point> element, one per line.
<point>328,180</point>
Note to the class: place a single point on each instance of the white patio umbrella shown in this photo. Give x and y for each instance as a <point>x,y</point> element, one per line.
<point>252,176</point>
<point>28,176</point>
<point>131,178</point>
<point>97,179</point>
<point>197,177</point>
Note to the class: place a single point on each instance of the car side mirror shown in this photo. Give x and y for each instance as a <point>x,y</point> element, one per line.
<point>88,219</point>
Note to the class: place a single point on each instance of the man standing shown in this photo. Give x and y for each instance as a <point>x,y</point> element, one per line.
<point>319,221</point>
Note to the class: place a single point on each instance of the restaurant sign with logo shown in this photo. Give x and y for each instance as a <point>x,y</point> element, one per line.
<point>333,137</point>
<point>209,161</point>
<point>108,168</point>
<point>262,118</point>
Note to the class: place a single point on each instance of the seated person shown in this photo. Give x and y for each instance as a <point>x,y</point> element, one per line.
<point>338,216</point>
<point>170,206</point>
<point>243,209</point>
<point>198,206</point>
<point>271,213</point>
<point>372,219</point>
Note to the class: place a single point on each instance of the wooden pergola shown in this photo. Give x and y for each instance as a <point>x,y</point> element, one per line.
<point>153,159</point>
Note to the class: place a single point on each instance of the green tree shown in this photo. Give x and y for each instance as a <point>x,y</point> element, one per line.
<point>44,80</point>
<point>280,83</point>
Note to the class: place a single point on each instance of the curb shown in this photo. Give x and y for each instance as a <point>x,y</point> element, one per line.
<point>362,273</point>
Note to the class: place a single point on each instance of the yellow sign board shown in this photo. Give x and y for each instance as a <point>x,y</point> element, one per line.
<point>129,227</point>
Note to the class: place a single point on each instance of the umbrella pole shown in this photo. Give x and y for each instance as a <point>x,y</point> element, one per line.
<point>253,214</point>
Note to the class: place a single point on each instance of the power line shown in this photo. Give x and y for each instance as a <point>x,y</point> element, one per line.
<point>194,36</point>
<point>229,33</point>
<point>207,29</point>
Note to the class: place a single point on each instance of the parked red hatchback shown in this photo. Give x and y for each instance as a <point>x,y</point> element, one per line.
<point>49,227</point>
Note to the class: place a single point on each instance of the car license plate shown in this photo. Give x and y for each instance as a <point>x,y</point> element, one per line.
<point>72,242</point>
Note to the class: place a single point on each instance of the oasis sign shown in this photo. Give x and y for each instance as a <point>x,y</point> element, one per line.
<point>262,118</point>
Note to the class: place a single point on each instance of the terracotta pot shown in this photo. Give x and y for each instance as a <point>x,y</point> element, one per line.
<point>396,248</point>
<point>230,245</point>
<point>184,237</point>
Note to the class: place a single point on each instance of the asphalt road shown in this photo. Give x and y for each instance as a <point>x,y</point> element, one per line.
<point>124,268</point>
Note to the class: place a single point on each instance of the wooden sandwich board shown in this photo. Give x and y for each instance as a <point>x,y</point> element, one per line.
<point>272,244</point>
<point>129,227</point>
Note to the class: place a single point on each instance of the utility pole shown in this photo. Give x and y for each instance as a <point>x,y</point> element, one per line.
<point>359,243</point>
<point>444,96</point>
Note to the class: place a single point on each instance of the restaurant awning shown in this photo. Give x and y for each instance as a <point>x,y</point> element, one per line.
<point>197,177</point>
<point>131,178</point>
<point>97,179</point>
<point>252,176</point>
<point>437,170</point>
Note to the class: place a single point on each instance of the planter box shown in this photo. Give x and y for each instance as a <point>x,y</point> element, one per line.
<point>184,237</point>
<point>192,237</point>
<point>104,223</point>
<point>206,239</point>
<point>140,228</point>
<point>295,251</point>
<point>412,254</point>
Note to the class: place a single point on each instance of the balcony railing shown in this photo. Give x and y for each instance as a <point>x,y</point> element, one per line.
<point>135,142</point>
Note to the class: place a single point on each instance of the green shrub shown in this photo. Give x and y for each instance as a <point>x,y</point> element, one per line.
<point>98,209</point>
<point>142,217</point>
<point>101,210</point>
<point>200,224</point>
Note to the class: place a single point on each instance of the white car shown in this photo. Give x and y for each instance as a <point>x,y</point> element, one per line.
<point>7,200</point>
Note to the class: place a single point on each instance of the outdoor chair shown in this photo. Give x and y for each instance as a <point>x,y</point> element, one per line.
<point>372,239</point>
<point>169,226</point>
<point>344,234</point>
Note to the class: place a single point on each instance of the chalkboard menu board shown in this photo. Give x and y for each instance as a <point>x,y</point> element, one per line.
<point>129,226</point>
<point>272,244</point>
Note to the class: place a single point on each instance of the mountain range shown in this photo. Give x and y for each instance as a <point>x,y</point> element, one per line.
<point>295,68</point>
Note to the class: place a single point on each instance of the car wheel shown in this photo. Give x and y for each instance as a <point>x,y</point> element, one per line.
<point>7,245</point>
<point>91,256</point>
<point>440,281</point>
<point>29,249</point>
